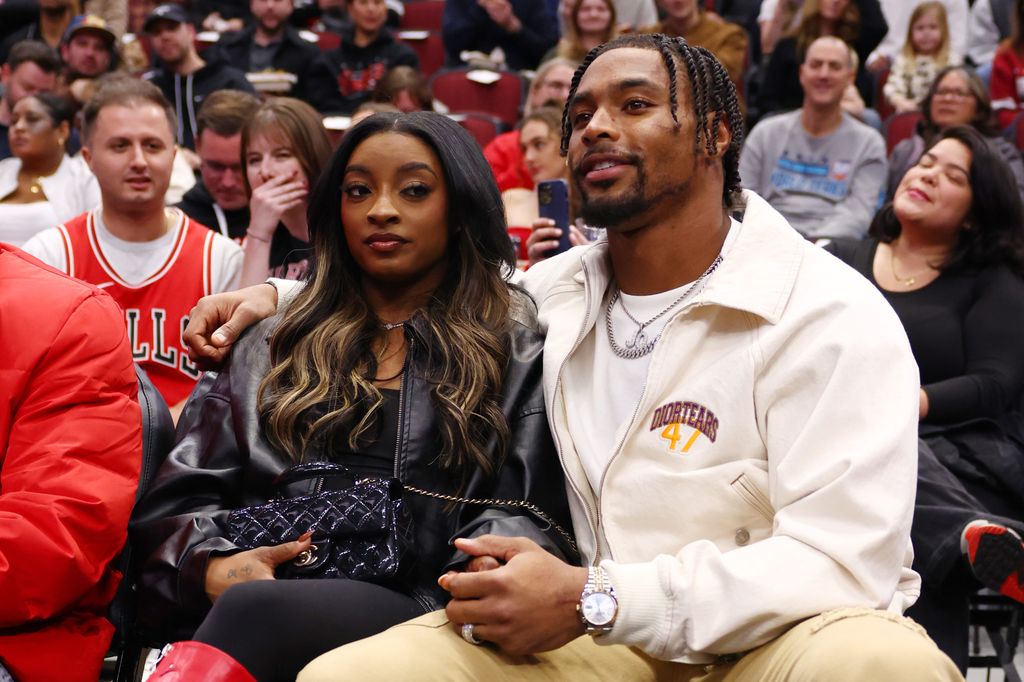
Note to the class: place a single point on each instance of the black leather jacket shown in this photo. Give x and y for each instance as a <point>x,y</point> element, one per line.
<point>223,462</point>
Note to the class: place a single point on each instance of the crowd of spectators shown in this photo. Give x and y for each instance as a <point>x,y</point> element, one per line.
<point>167,152</point>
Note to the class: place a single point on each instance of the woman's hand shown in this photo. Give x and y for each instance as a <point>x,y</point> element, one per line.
<point>922,407</point>
<point>544,237</point>
<point>271,200</point>
<point>254,564</point>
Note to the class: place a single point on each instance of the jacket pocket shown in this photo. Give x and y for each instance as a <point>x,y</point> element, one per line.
<point>750,493</point>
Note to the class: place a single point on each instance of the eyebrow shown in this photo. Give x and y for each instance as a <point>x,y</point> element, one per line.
<point>404,168</point>
<point>620,86</point>
<point>947,164</point>
<point>126,138</point>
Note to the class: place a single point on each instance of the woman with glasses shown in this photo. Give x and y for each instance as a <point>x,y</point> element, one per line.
<point>956,97</point>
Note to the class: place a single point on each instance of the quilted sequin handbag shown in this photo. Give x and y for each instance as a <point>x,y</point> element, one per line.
<point>360,531</point>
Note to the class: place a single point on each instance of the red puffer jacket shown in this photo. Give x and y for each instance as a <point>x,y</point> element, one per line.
<point>70,452</point>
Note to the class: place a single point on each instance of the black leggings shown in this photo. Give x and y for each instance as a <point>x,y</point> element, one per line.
<point>275,627</point>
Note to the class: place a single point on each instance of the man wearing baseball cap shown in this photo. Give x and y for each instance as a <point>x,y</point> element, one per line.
<point>88,50</point>
<point>185,78</point>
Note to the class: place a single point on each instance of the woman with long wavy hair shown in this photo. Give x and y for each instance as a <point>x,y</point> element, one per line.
<point>406,355</point>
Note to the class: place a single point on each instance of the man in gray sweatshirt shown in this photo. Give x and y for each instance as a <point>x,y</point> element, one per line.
<point>820,167</point>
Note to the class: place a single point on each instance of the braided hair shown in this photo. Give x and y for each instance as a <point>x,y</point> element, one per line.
<point>711,92</point>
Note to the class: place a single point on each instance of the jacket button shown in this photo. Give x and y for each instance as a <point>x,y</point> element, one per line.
<point>742,537</point>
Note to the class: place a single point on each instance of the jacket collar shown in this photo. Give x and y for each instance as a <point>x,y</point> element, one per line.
<point>758,270</point>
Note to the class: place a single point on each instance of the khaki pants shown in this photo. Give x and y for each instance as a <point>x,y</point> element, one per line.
<point>845,645</point>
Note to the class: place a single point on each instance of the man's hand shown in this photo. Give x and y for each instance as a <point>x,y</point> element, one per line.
<point>217,321</point>
<point>526,606</point>
<point>254,564</point>
<point>500,12</point>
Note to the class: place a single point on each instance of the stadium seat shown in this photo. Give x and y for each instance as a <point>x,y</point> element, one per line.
<point>422,15</point>
<point>899,127</point>
<point>429,48</point>
<point>882,105</point>
<point>1002,620</point>
<point>482,127</point>
<point>460,93</point>
<point>327,40</point>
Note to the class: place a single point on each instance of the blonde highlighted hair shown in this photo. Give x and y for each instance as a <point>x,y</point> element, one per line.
<point>319,393</point>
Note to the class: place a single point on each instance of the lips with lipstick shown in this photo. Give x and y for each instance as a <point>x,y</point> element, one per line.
<point>384,242</point>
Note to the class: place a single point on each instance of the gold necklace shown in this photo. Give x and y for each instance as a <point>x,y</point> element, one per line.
<point>908,281</point>
<point>36,186</point>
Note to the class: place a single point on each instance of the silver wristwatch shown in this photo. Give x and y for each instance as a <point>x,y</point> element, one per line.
<point>598,606</point>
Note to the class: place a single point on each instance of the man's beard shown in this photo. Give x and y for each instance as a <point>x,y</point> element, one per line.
<point>274,29</point>
<point>610,212</point>
<point>618,212</point>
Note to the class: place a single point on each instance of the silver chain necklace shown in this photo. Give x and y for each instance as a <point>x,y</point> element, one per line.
<point>640,345</point>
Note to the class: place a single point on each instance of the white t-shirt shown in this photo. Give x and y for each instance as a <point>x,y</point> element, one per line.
<point>21,222</point>
<point>137,261</point>
<point>597,370</point>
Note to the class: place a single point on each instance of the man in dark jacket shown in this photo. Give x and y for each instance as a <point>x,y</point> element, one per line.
<point>219,200</point>
<point>271,44</point>
<point>185,78</point>
<point>367,52</point>
<point>524,29</point>
<point>52,19</point>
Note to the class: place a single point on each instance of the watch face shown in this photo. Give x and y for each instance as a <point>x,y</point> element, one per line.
<point>599,608</point>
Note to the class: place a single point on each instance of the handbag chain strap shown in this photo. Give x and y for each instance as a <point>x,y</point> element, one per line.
<point>519,504</point>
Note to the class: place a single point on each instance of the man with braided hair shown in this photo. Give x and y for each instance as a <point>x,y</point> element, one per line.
<point>741,480</point>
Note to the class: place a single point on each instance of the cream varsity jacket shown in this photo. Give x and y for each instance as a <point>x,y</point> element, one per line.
<point>797,381</point>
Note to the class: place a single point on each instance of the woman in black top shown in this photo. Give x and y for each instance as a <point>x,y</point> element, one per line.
<point>407,354</point>
<point>948,253</point>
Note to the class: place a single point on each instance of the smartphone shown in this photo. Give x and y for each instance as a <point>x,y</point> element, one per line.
<point>553,203</point>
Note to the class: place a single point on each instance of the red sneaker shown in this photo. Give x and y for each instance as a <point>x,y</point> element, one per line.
<point>996,555</point>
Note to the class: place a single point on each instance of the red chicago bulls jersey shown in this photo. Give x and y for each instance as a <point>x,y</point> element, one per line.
<point>156,309</point>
